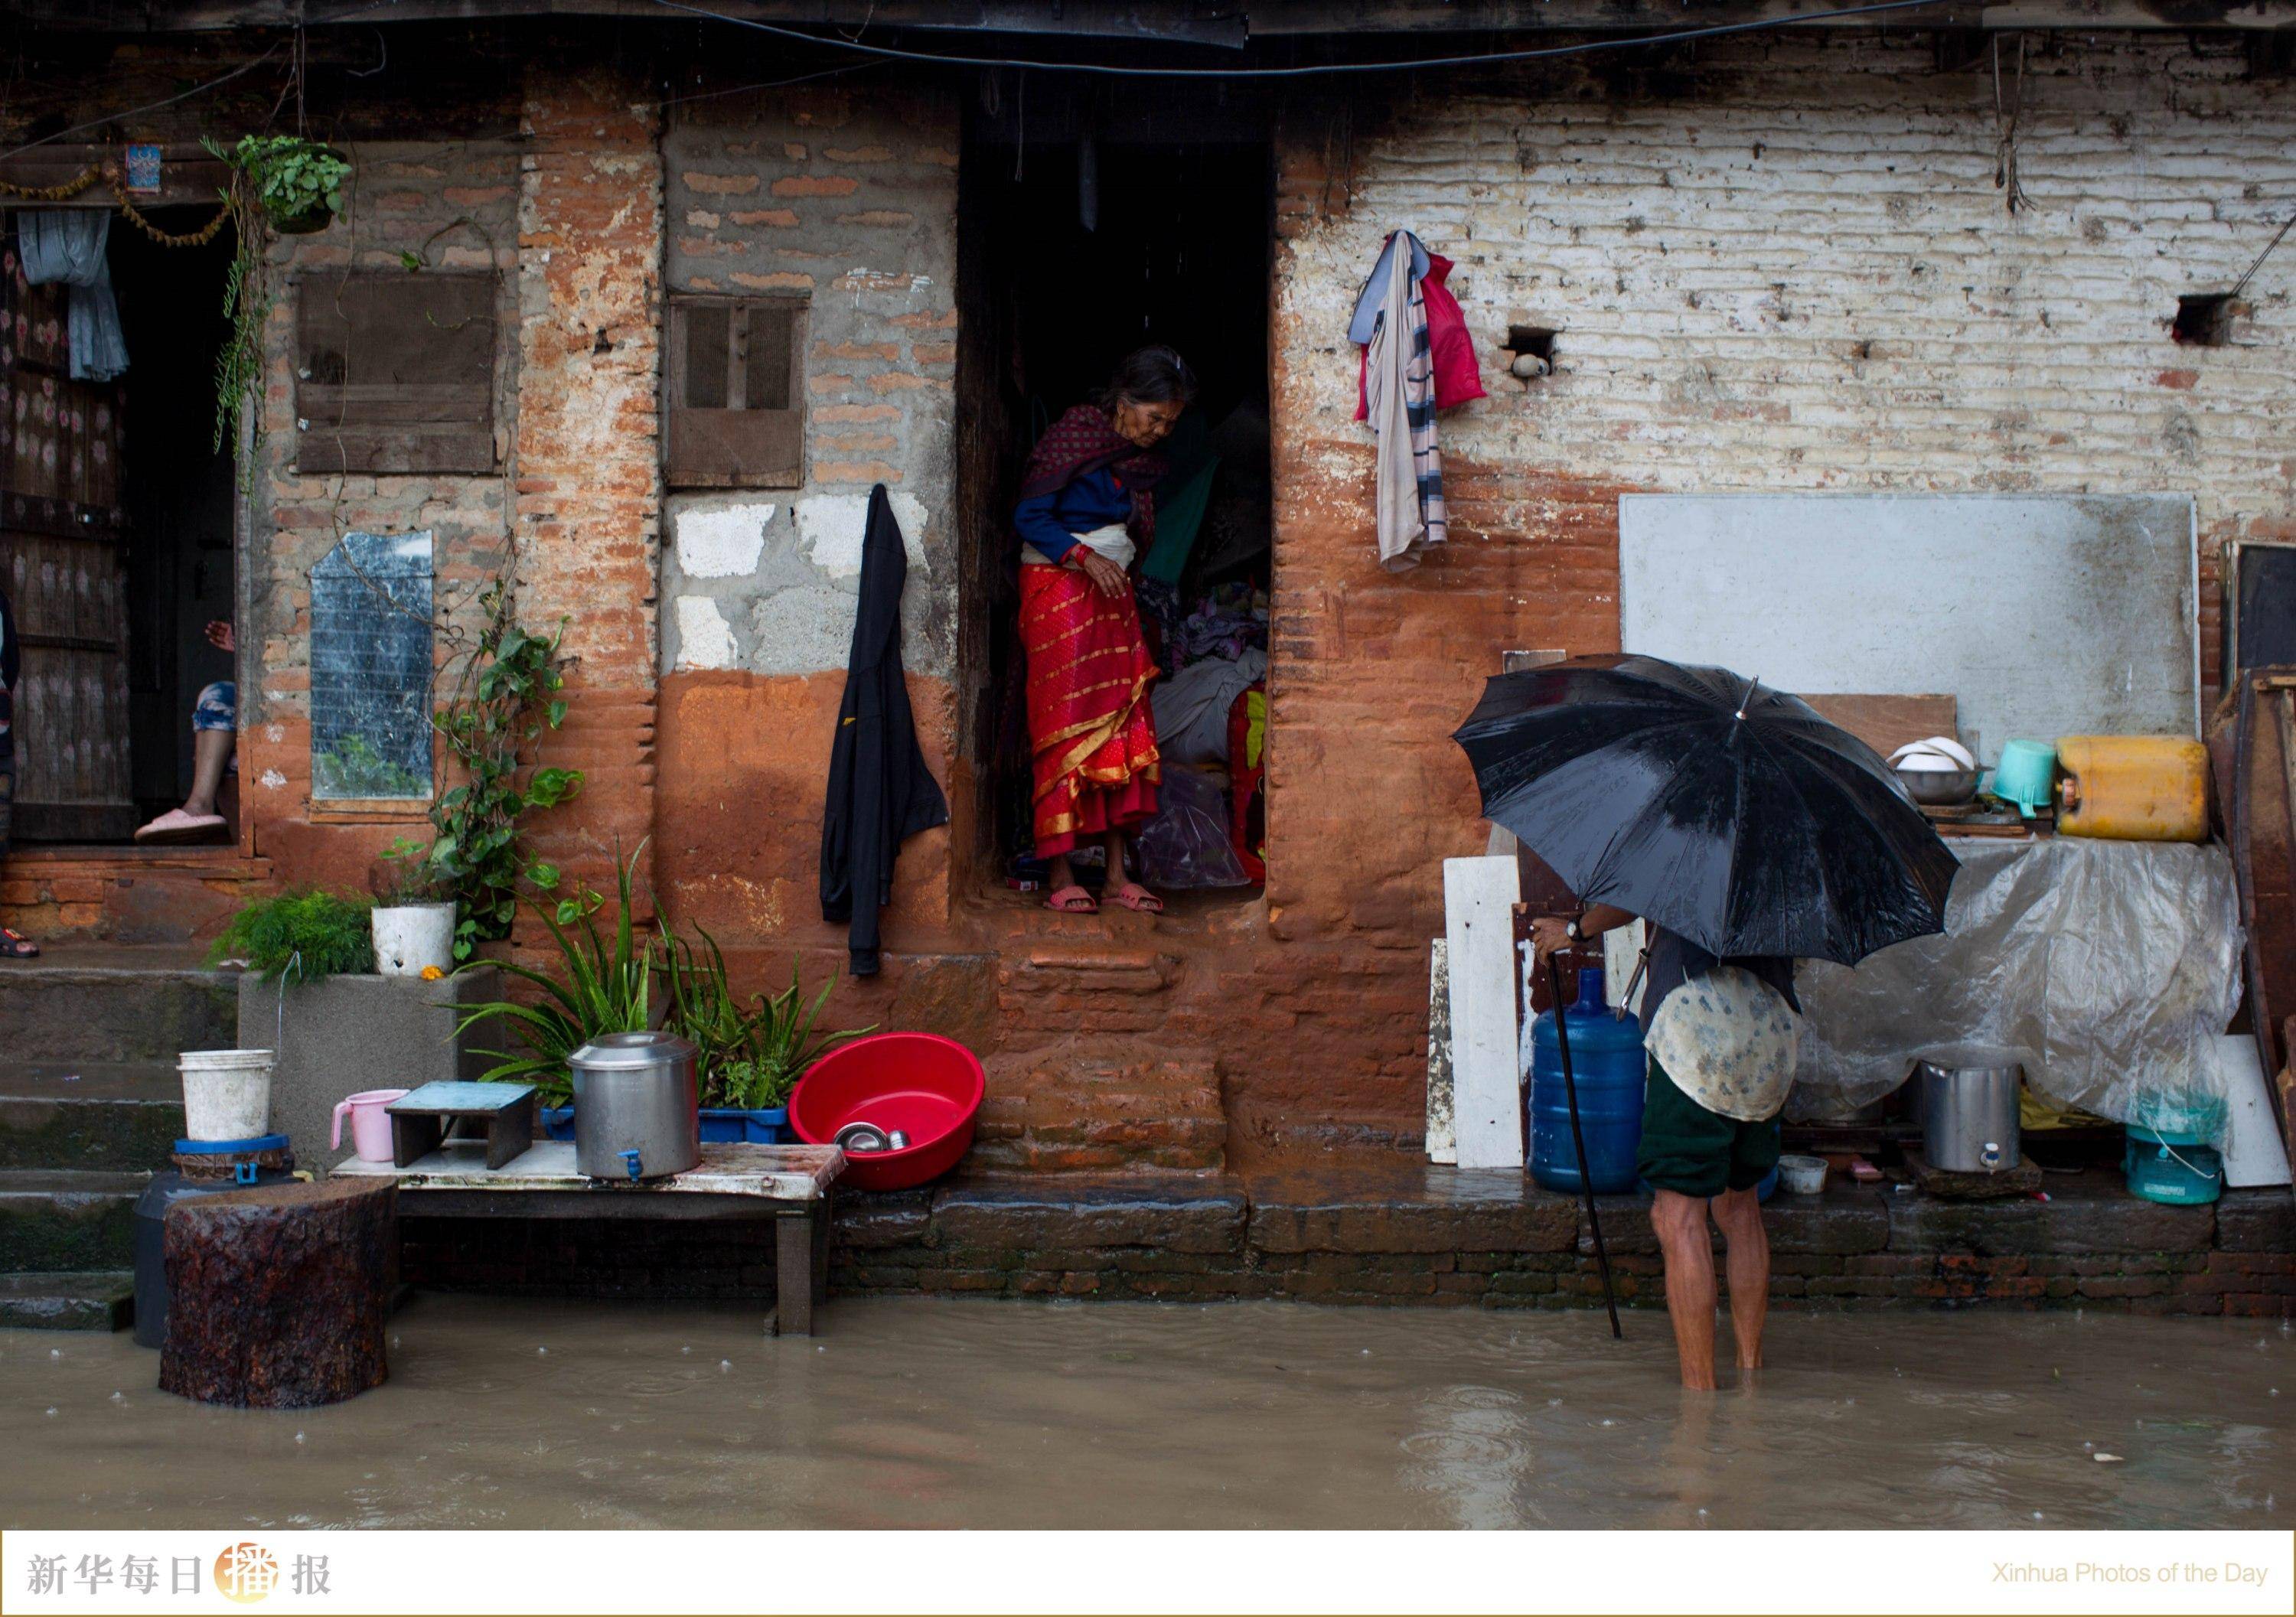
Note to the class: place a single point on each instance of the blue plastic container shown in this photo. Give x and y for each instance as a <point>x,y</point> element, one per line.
<point>2171,1167</point>
<point>720,1125</point>
<point>1607,1060</point>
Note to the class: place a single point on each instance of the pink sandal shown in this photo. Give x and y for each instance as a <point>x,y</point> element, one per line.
<point>178,826</point>
<point>1138,899</point>
<point>1071,900</point>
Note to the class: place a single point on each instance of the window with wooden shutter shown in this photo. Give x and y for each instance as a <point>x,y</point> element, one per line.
<point>736,402</point>
<point>395,372</point>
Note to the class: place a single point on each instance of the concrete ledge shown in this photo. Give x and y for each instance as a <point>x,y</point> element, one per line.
<point>2085,1215</point>
<point>1173,1214</point>
<point>2256,1221</point>
<point>1436,1209</point>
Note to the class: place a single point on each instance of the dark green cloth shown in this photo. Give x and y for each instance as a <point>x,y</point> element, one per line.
<point>1697,1152</point>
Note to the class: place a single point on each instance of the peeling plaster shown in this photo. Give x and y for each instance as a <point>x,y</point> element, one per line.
<point>723,543</point>
<point>705,640</point>
<point>831,527</point>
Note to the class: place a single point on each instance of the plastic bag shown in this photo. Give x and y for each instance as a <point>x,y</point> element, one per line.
<point>2107,967</point>
<point>1186,844</point>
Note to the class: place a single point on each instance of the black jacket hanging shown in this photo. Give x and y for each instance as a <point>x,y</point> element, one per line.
<point>880,792</point>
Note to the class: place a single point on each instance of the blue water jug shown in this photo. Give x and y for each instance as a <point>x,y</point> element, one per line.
<point>1606,1058</point>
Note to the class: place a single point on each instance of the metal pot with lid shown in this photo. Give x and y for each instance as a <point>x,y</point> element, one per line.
<point>638,1107</point>
<point>1970,1121</point>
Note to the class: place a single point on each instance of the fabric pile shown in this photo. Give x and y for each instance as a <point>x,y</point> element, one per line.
<point>66,245</point>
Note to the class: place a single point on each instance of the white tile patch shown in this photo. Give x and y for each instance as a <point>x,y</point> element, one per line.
<point>705,640</point>
<point>724,543</point>
<point>831,526</point>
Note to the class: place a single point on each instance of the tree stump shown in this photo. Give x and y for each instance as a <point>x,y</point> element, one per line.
<point>279,1294</point>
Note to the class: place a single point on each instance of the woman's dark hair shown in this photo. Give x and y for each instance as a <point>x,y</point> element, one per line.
<point>1155,374</point>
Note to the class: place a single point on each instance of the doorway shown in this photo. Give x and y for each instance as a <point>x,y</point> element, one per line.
<point>119,543</point>
<point>1074,251</point>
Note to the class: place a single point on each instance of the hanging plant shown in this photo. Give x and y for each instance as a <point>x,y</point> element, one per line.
<point>280,184</point>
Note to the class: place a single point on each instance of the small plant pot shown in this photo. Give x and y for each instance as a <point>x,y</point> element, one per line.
<point>720,1125</point>
<point>408,937</point>
<point>1801,1175</point>
<point>226,1092</point>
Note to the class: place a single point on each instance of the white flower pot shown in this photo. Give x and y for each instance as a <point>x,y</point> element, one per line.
<point>411,936</point>
<point>226,1092</point>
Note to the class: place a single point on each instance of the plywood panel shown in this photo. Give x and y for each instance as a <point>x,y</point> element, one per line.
<point>2043,616</point>
<point>1478,900</point>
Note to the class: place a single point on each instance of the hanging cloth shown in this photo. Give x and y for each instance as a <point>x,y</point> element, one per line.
<point>1458,377</point>
<point>881,793</point>
<point>66,245</point>
<point>1409,468</point>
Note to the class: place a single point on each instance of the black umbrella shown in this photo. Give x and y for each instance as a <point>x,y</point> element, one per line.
<point>1727,813</point>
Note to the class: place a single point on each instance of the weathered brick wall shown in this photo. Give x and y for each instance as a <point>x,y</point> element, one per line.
<point>846,198</point>
<point>455,204</point>
<point>588,482</point>
<point>1785,270</point>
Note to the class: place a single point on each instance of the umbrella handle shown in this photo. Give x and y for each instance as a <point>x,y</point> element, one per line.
<point>1578,1141</point>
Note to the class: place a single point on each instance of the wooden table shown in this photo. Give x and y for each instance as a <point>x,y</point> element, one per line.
<point>788,1184</point>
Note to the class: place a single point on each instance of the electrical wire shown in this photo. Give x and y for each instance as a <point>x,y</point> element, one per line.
<point>770,84</point>
<point>96,123</point>
<point>1581,48</point>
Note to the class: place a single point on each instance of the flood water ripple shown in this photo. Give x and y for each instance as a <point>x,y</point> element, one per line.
<point>926,1413</point>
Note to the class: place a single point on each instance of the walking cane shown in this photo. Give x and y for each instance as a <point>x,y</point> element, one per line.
<point>1578,1140</point>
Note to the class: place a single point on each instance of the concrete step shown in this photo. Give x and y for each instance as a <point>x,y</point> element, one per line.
<point>94,1299</point>
<point>99,1002</point>
<point>57,1221</point>
<point>89,1115</point>
<point>1095,1104</point>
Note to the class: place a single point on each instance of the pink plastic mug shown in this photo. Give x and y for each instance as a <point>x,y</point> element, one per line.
<point>370,1124</point>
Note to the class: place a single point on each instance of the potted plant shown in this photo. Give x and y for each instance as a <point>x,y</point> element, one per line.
<point>297,183</point>
<point>748,1059</point>
<point>602,986</point>
<point>413,915</point>
<point>295,937</point>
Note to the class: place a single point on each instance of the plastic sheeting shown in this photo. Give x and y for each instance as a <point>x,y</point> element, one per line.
<point>2107,967</point>
<point>1187,844</point>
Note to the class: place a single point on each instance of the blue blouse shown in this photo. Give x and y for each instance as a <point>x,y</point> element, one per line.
<point>1051,521</point>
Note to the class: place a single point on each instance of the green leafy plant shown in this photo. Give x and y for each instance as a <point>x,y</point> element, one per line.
<point>604,985</point>
<point>276,180</point>
<point>291,178</point>
<point>506,699</point>
<point>302,934</point>
<point>404,875</point>
<point>746,1059</point>
<point>353,767</point>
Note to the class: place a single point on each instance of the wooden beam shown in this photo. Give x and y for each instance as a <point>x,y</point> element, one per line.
<point>1272,17</point>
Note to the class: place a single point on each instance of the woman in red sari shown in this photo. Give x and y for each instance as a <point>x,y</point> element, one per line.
<point>1087,513</point>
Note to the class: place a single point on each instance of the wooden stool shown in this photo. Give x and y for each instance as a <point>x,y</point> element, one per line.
<point>279,1294</point>
<point>501,1113</point>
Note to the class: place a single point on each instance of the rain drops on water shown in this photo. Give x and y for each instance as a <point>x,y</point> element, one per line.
<point>298,1437</point>
<point>724,1364</point>
<point>56,1352</point>
<point>542,1350</point>
<point>52,1408</point>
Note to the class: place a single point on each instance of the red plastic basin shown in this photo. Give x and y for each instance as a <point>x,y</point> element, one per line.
<point>927,1087</point>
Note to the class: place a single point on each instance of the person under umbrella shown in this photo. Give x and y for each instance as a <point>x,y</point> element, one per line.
<point>1749,833</point>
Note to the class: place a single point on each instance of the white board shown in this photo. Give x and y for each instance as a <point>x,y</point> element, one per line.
<point>1478,900</point>
<point>2045,615</point>
<point>1442,1142</point>
<point>2253,1154</point>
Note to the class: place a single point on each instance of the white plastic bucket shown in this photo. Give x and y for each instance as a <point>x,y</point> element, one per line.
<point>408,937</point>
<point>226,1092</point>
<point>1801,1175</point>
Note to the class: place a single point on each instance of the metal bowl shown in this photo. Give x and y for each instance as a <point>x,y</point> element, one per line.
<point>1941,788</point>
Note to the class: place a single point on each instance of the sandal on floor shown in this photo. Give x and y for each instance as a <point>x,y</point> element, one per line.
<point>1071,900</point>
<point>1138,899</point>
<point>15,946</point>
<point>178,826</point>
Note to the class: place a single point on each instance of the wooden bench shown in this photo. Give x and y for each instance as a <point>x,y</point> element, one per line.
<point>788,1184</point>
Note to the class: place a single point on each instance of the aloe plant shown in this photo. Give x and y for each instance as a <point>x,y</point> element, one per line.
<point>748,1060</point>
<point>603,987</point>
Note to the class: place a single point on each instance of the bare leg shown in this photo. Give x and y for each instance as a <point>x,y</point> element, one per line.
<point>1740,1215</point>
<point>210,751</point>
<point>1688,1251</point>
<point>1114,844</point>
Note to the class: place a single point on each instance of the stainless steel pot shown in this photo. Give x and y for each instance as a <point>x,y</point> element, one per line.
<point>1969,1116</point>
<point>636,1106</point>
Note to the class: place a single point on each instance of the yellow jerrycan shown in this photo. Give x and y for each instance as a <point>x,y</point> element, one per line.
<point>2132,788</point>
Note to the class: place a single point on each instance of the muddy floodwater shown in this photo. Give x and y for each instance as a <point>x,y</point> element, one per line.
<point>918,1413</point>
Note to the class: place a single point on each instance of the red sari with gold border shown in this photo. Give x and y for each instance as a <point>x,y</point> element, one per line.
<point>1092,733</point>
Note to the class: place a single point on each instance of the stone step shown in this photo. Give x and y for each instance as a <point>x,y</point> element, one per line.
<point>93,1299</point>
<point>97,1002</point>
<point>1089,1104</point>
<point>89,1115</point>
<point>56,1220</point>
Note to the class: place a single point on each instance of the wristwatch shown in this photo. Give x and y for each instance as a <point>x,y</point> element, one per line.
<point>1570,929</point>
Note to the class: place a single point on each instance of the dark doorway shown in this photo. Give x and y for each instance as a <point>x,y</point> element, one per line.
<point>1073,252</point>
<point>176,488</point>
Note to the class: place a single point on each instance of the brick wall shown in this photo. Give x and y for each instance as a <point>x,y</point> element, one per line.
<point>1785,269</point>
<point>847,199</point>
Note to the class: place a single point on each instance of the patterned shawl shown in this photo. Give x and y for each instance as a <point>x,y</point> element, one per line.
<point>1085,440</point>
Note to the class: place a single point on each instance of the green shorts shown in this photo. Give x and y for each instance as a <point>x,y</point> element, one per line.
<point>1687,1149</point>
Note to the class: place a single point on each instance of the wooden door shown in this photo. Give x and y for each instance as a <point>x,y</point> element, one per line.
<point>62,532</point>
